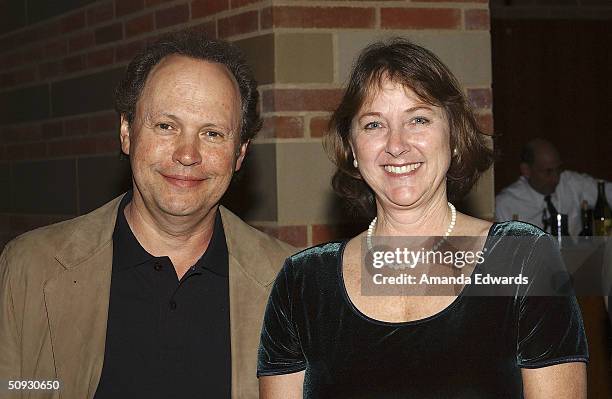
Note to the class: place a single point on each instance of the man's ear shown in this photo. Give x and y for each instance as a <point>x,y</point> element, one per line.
<point>241,153</point>
<point>525,169</point>
<point>124,135</point>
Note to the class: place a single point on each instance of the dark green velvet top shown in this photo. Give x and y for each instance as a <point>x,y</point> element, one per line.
<point>474,348</point>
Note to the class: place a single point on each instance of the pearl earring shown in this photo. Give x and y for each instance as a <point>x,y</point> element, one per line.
<point>355,163</point>
<point>455,152</point>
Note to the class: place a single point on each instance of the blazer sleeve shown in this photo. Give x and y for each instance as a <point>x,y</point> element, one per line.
<point>9,338</point>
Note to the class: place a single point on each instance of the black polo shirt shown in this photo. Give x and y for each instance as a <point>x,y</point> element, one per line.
<point>166,338</point>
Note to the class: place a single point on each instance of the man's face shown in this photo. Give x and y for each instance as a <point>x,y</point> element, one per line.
<point>543,175</point>
<point>184,142</point>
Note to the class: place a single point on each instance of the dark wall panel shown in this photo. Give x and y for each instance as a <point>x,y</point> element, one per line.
<point>101,179</point>
<point>45,187</point>
<point>252,194</point>
<point>88,93</point>
<point>5,187</point>
<point>39,10</point>
<point>551,80</point>
<point>26,104</point>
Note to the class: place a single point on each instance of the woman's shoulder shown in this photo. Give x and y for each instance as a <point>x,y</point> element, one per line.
<point>321,253</point>
<point>516,228</point>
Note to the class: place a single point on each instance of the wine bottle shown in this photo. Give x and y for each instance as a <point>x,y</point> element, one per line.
<point>586,214</point>
<point>602,215</point>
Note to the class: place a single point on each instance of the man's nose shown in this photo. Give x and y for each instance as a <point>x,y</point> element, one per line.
<point>187,151</point>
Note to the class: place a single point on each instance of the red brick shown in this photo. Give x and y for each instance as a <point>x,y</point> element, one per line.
<point>282,127</point>
<point>124,7</point>
<point>318,126</point>
<point>209,28</point>
<point>323,233</point>
<point>23,133</point>
<point>485,121</point>
<point>477,19</point>
<point>139,25</point>
<point>238,24</point>
<point>50,69</point>
<point>125,52</point>
<point>76,126</point>
<point>11,60</point>
<point>420,18</point>
<point>35,150</point>
<point>206,8</point>
<point>265,18</point>
<point>85,146</point>
<point>172,16</point>
<point>15,152</point>
<point>72,22</point>
<point>108,144</point>
<point>294,235</point>
<point>73,64</point>
<point>301,99</point>
<point>100,13</point>
<point>322,17</point>
<point>109,33</point>
<point>242,3</point>
<point>21,76</point>
<point>153,3</point>
<point>51,130</point>
<point>480,98</point>
<point>100,58</point>
<point>454,1</point>
<point>55,49</point>
<point>33,54</point>
<point>26,75</point>
<point>80,42</point>
<point>60,148</point>
<point>106,122</point>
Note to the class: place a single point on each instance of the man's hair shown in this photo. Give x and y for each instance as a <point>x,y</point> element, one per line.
<point>419,69</point>
<point>528,152</point>
<point>196,45</point>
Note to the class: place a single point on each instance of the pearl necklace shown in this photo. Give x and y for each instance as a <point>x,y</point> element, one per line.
<point>451,226</point>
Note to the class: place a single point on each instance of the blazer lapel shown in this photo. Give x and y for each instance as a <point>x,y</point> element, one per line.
<point>251,273</point>
<point>77,302</point>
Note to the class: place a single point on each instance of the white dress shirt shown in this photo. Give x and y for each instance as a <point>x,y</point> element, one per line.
<point>521,199</point>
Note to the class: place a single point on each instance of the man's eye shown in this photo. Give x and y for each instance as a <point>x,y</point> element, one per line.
<point>373,125</point>
<point>212,134</point>
<point>164,126</point>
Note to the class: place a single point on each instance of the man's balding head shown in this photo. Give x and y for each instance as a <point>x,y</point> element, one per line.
<point>541,165</point>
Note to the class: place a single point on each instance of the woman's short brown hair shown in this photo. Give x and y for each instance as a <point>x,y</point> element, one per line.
<point>419,69</point>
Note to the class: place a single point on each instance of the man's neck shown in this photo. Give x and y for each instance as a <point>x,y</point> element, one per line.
<point>183,240</point>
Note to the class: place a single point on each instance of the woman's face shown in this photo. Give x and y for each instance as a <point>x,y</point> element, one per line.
<point>402,146</point>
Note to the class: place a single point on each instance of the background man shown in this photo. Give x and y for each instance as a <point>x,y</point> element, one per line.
<point>544,189</point>
<point>159,293</point>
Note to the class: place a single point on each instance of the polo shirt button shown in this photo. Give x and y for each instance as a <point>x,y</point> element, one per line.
<point>157,266</point>
<point>172,304</point>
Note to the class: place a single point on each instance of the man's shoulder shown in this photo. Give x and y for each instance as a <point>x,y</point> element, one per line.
<point>245,236</point>
<point>514,191</point>
<point>47,241</point>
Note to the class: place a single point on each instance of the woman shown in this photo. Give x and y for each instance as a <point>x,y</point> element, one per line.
<point>404,141</point>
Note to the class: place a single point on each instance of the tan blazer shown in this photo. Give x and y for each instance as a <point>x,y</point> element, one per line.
<point>54,295</point>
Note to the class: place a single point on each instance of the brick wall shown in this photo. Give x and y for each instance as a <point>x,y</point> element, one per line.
<point>59,152</point>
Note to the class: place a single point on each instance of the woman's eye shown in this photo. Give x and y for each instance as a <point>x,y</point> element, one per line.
<point>373,125</point>
<point>419,120</point>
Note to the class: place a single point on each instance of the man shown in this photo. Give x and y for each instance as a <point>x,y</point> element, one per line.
<point>543,189</point>
<point>159,293</point>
